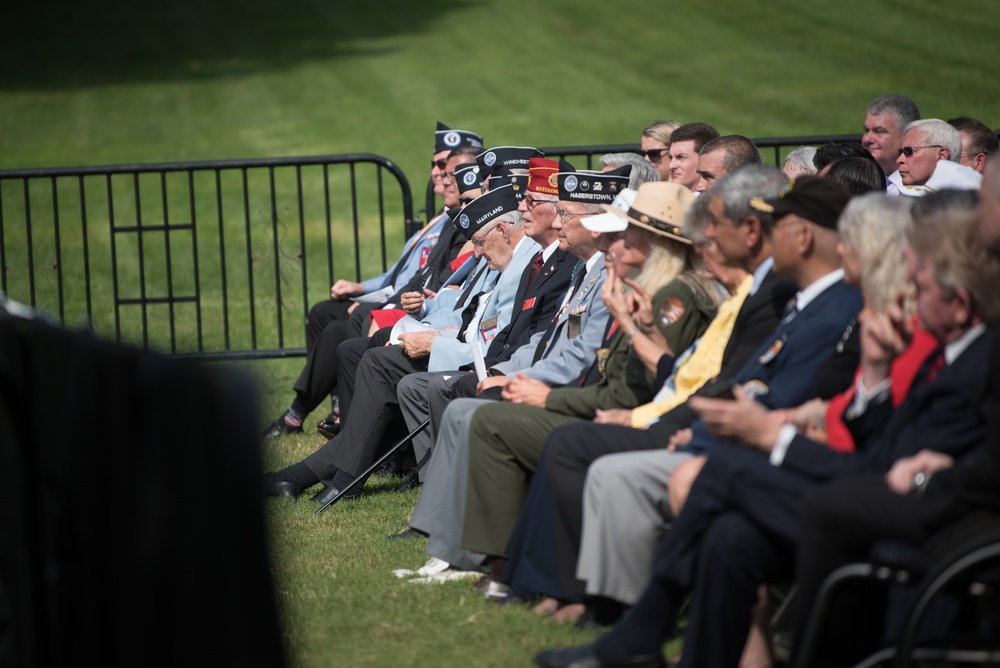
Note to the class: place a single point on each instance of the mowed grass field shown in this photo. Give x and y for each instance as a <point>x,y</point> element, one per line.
<point>125,82</point>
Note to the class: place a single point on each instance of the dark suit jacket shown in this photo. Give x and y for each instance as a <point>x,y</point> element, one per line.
<point>942,415</point>
<point>975,478</point>
<point>781,372</point>
<point>533,304</point>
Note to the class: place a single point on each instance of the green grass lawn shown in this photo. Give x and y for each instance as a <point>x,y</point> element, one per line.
<point>125,82</point>
<point>341,603</point>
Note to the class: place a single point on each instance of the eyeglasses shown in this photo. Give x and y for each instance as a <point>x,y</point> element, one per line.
<point>478,243</point>
<point>567,215</point>
<point>447,176</point>
<point>440,164</point>
<point>531,202</point>
<point>908,151</point>
<point>653,154</point>
<point>465,200</point>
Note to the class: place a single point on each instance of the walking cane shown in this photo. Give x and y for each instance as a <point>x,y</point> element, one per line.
<point>389,453</point>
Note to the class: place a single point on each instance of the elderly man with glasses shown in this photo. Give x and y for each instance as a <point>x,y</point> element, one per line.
<point>928,160</point>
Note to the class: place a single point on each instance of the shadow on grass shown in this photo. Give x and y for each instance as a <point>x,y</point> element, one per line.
<point>62,44</point>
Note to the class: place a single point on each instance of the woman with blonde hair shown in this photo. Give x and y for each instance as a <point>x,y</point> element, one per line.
<point>655,142</point>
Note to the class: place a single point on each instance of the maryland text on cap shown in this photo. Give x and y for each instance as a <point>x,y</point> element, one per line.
<point>507,157</point>
<point>485,208</point>
<point>659,207</point>
<point>818,199</point>
<point>593,187</point>
<point>467,177</point>
<point>446,139</point>
<point>542,176</point>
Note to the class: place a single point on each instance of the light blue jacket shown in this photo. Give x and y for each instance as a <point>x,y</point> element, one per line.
<point>566,359</point>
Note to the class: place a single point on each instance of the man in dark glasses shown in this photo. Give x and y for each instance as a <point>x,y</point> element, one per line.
<point>928,160</point>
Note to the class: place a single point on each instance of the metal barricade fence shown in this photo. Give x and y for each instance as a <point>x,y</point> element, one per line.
<point>221,259</point>
<point>216,259</point>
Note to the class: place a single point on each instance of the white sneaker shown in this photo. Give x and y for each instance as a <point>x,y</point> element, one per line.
<point>496,591</point>
<point>446,576</point>
<point>432,567</point>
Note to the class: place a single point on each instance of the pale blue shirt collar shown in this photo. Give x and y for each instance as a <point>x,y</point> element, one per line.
<point>759,273</point>
<point>805,296</point>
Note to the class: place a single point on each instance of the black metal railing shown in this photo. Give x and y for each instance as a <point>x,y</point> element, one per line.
<point>216,259</point>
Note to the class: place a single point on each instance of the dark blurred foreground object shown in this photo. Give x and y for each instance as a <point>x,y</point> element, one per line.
<point>114,464</point>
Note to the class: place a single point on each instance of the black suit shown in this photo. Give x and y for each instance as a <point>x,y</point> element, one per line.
<point>840,521</point>
<point>534,304</point>
<point>572,448</point>
<point>738,526</point>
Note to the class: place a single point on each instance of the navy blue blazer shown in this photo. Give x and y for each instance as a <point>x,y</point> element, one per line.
<point>975,478</point>
<point>781,372</point>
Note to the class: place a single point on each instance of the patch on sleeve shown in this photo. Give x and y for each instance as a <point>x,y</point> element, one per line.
<point>755,389</point>
<point>671,310</point>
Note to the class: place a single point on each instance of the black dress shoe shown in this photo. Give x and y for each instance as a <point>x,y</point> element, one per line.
<point>411,481</point>
<point>279,427</point>
<point>330,426</point>
<point>409,533</point>
<point>272,486</point>
<point>327,493</point>
<point>584,656</point>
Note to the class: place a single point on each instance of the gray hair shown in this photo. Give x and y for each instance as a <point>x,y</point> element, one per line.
<point>737,189</point>
<point>961,260</point>
<point>512,218</point>
<point>800,161</point>
<point>642,169</point>
<point>874,226</point>
<point>938,132</point>
<point>901,107</point>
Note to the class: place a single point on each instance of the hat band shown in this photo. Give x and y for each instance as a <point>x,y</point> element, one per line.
<point>647,219</point>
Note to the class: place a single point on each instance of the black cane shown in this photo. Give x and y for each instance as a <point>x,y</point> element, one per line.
<point>389,453</point>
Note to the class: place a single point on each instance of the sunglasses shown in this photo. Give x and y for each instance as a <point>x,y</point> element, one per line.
<point>908,151</point>
<point>653,154</point>
<point>440,164</point>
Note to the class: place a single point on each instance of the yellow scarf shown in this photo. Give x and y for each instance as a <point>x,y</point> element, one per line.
<point>700,366</point>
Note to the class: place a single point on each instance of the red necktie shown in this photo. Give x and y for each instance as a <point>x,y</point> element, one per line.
<point>536,267</point>
<point>937,366</point>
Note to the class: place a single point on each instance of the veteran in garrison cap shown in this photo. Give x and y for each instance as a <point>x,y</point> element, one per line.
<point>501,160</point>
